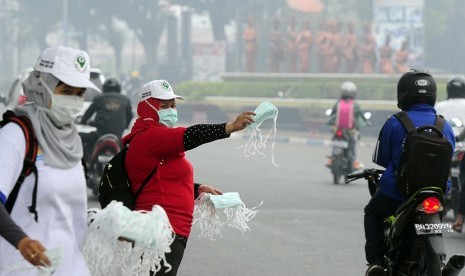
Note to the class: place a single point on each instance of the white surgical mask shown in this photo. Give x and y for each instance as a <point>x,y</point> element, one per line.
<point>64,109</point>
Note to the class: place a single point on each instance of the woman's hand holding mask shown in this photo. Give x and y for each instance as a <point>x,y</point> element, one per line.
<point>241,122</point>
<point>33,252</point>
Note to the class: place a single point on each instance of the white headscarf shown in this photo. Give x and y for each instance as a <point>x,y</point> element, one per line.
<point>61,146</point>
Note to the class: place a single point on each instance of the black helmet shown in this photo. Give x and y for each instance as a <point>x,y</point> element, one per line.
<point>416,86</point>
<point>456,87</point>
<point>112,84</point>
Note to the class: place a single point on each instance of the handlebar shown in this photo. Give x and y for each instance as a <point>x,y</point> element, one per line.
<point>371,175</point>
<point>368,174</point>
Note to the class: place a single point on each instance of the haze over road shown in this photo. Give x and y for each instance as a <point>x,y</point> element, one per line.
<point>306,225</point>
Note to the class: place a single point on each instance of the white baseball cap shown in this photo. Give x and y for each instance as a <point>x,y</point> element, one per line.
<point>158,89</point>
<point>69,65</point>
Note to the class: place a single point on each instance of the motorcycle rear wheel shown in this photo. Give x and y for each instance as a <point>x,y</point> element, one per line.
<point>337,169</point>
<point>422,260</point>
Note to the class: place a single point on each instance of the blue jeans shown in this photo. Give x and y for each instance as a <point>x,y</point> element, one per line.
<point>379,208</point>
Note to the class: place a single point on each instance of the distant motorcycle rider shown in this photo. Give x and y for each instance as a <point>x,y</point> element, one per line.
<point>454,107</point>
<point>347,115</point>
<point>113,113</point>
<point>416,95</point>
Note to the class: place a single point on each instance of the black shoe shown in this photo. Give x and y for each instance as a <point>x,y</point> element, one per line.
<point>375,270</point>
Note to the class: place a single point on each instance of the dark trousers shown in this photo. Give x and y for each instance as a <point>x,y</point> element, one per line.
<point>461,202</point>
<point>379,208</point>
<point>173,258</point>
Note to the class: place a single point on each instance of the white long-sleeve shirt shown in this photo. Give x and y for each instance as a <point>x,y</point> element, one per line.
<point>452,108</point>
<point>61,206</point>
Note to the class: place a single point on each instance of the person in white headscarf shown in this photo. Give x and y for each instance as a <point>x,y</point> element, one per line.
<point>50,238</point>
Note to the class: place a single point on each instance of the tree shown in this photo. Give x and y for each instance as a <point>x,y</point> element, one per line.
<point>444,35</point>
<point>43,16</point>
<point>147,20</point>
<point>113,32</point>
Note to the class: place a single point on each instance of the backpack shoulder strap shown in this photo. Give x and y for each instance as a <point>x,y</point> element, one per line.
<point>147,178</point>
<point>29,166</point>
<point>405,121</point>
<point>439,123</point>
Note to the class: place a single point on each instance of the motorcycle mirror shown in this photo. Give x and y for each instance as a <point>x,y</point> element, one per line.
<point>328,112</point>
<point>367,115</point>
<point>456,122</point>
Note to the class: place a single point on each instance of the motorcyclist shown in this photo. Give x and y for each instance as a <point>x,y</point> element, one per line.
<point>454,107</point>
<point>113,113</point>
<point>347,114</point>
<point>416,94</point>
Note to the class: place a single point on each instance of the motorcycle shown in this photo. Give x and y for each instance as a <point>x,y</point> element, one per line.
<point>414,235</point>
<point>106,146</point>
<point>342,145</point>
<point>341,164</point>
<point>457,168</point>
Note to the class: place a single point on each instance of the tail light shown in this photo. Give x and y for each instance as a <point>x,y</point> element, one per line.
<point>460,155</point>
<point>430,205</point>
<point>339,133</point>
<point>22,99</point>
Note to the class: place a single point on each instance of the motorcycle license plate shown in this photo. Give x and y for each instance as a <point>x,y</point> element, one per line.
<point>104,158</point>
<point>340,144</point>
<point>433,228</point>
<point>454,172</point>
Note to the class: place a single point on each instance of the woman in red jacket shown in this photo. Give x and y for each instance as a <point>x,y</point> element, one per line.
<point>155,142</point>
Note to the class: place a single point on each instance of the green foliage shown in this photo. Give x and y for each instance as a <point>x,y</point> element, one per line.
<point>317,88</point>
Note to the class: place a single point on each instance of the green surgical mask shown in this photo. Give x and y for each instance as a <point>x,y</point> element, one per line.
<point>226,200</point>
<point>213,212</point>
<point>257,142</point>
<point>168,117</point>
<point>266,110</point>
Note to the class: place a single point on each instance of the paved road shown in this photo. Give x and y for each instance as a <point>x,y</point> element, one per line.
<point>306,225</point>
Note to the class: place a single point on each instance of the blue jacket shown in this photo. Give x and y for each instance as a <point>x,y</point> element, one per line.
<point>389,146</point>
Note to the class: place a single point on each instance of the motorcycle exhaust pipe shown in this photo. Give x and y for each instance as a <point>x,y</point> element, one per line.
<point>454,266</point>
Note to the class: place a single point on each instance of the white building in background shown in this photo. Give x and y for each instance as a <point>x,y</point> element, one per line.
<point>404,20</point>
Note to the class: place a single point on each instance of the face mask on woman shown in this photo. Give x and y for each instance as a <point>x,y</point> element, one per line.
<point>64,108</point>
<point>167,117</point>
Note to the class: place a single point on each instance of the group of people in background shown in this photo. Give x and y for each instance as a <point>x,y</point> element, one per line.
<point>336,50</point>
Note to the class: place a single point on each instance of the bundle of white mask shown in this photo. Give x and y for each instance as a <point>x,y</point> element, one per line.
<point>208,209</point>
<point>117,238</point>
<point>257,142</point>
<point>54,256</point>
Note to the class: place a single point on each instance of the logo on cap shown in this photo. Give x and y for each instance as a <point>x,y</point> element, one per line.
<point>165,85</point>
<point>80,63</point>
<point>422,82</point>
